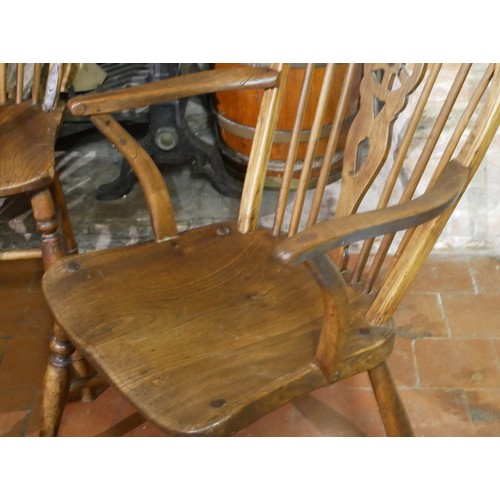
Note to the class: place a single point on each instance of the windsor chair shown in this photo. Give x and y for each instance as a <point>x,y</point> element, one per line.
<point>207,330</point>
<point>31,113</point>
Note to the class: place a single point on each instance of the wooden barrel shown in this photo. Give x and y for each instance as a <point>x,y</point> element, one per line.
<point>237,112</point>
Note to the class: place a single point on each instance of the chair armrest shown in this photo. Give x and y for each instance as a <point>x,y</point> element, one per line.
<point>173,88</point>
<point>333,233</point>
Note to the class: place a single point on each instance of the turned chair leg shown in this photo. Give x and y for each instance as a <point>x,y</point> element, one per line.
<point>392,411</point>
<point>57,377</point>
<point>82,370</point>
<point>56,383</point>
<point>81,366</point>
<point>60,203</point>
<point>44,212</point>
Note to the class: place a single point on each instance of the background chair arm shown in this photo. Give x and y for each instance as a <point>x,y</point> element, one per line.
<point>192,84</point>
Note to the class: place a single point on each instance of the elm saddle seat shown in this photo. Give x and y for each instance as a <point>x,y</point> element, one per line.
<point>216,307</point>
<point>207,330</point>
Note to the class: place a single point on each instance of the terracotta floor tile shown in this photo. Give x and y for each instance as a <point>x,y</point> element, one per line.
<point>16,399</point>
<point>94,418</point>
<point>328,419</point>
<point>470,315</point>
<point>420,315</point>
<point>24,315</point>
<point>442,274</point>
<point>359,381</point>
<point>457,363</point>
<point>438,412</point>
<point>21,275</point>
<point>15,411</point>
<point>3,347</point>
<point>286,421</point>
<point>490,430</point>
<point>402,364</point>
<point>486,273</point>
<point>33,427</point>
<point>484,410</point>
<point>23,364</point>
<point>354,412</point>
<point>13,423</point>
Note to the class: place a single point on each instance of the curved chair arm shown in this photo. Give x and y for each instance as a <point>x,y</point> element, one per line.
<point>158,200</point>
<point>334,233</point>
<point>177,87</point>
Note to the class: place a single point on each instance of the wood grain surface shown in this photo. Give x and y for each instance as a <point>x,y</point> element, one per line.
<point>27,140</point>
<point>173,88</point>
<point>208,332</point>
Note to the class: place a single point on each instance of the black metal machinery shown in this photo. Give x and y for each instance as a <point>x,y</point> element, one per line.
<point>169,138</point>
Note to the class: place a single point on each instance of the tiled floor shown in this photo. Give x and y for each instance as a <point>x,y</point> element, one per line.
<point>446,364</point>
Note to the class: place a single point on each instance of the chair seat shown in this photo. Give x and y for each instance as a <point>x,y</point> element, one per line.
<point>27,139</point>
<point>203,333</point>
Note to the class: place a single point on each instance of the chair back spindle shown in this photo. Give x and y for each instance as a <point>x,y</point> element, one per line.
<point>259,155</point>
<point>39,83</point>
<point>19,83</point>
<point>37,80</point>
<point>293,149</point>
<point>311,148</point>
<point>3,83</point>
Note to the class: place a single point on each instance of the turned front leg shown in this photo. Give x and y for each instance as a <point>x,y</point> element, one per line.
<point>57,381</point>
<point>45,215</point>
<point>60,203</point>
<point>57,376</point>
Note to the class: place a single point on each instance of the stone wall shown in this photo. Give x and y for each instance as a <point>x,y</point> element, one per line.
<point>475,225</point>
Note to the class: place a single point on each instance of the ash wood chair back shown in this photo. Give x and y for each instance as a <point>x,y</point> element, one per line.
<point>209,329</point>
